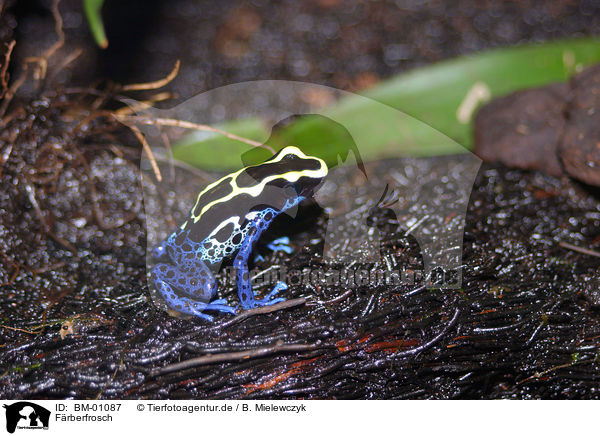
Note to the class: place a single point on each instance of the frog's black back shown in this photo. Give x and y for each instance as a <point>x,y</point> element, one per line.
<point>287,175</point>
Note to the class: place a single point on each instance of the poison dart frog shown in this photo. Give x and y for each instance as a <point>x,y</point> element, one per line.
<point>227,219</point>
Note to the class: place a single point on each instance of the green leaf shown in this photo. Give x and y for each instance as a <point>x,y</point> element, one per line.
<point>213,151</point>
<point>428,99</point>
<point>433,94</point>
<point>92,12</point>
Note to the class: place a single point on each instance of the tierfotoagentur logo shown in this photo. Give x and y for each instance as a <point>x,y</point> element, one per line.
<point>421,201</point>
<point>25,415</point>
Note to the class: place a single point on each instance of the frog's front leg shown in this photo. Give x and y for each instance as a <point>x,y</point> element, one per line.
<point>196,281</point>
<point>260,223</point>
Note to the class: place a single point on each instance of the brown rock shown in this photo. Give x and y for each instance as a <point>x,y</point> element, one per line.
<point>580,147</point>
<point>523,129</point>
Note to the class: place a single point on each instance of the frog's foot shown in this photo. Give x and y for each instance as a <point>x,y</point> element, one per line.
<point>159,252</point>
<point>191,307</point>
<point>220,306</point>
<point>171,283</point>
<point>197,308</point>
<point>268,300</point>
<point>281,244</point>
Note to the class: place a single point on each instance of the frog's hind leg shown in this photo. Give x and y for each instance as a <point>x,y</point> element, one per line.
<point>240,263</point>
<point>199,285</point>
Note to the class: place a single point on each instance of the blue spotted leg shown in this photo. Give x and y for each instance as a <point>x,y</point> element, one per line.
<point>194,279</point>
<point>258,225</point>
<point>240,263</point>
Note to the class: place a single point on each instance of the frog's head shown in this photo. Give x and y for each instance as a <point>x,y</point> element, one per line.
<point>291,168</point>
<point>315,134</point>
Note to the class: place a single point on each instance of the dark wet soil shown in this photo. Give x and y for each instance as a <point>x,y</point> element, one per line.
<point>524,324</point>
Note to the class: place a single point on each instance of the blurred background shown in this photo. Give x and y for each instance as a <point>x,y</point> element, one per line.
<point>347,44</point>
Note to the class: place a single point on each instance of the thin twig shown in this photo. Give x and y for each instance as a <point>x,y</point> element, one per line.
<point>89,118</point>
<point>30,332</point>
<point>192,126</point>
<point>579,249</point>
<point>538,375</point>
<point>143,105</point>
<point>436,338</point>
<point>15,273</point>
<point>264,309</point>
<point>3,71</point>
<point>233,356</point>
<point>333,300</point>
<point>58,28</point>
<point>147,149</point>
<point>12,90</point>
<point>154,85</point>
<point>167,145</point>
<point>42,61</point>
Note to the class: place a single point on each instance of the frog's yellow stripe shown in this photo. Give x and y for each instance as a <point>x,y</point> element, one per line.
<point>254,191</point>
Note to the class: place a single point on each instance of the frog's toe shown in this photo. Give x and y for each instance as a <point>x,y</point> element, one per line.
<point>266,302</point>
<point>216,305</point>
<point>159,251</point>
<point>280,286</point>
<point>198,308</point>
<point>269,300</point>
<point>194,311</point>
<point>281,244</point>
